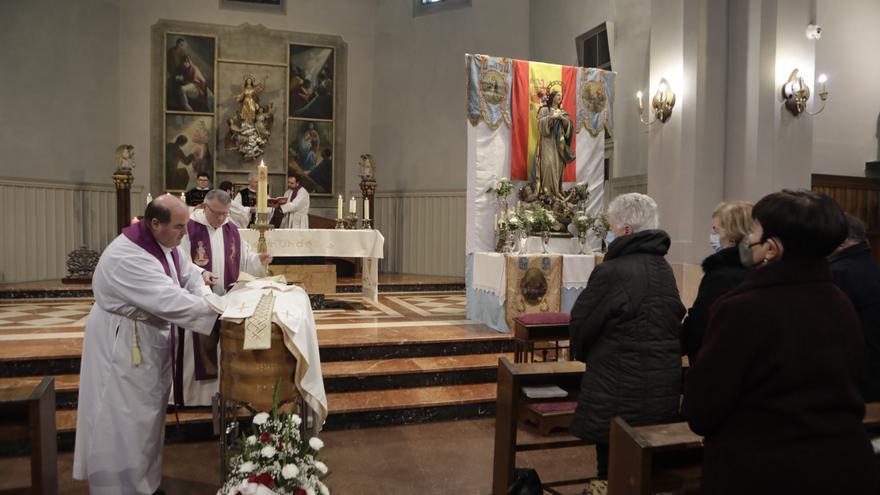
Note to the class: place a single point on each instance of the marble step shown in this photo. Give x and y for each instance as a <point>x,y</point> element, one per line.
<point>347,410</point>
<point>345,376</point>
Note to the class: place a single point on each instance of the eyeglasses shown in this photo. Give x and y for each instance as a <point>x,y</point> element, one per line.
<point>220,215</point>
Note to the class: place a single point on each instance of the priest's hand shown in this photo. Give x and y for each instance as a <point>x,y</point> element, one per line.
<point>265,258</point>
<point>209,278</point>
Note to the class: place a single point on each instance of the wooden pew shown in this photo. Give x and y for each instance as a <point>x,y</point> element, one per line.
<point>511,378</point>
<point>28,413</point>
<point>649,459</point>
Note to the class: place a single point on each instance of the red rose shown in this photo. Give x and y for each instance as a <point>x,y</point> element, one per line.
<point>300,491</point>
<point>264,479</point>
<point>264,437</point>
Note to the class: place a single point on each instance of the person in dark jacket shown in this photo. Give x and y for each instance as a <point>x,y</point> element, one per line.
<point>775,389</point>
<point>722,270</point>
<point>625,325</point>
<point>856,272</point>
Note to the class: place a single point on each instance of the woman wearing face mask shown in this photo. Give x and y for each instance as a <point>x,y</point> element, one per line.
<point>625,325</point>
<point>775,390</point>
<point>722,270</point>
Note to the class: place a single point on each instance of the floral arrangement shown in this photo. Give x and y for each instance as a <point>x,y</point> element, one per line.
<point>583,222</point>
<point>502,188</point>
<point>511,221</point>
<point>542,220</point>
<point>600,225</point>
<point>274,459</point>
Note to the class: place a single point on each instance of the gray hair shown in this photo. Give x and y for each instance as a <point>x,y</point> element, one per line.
<point>855,228</point>
<point>218,195</point>
<point>637,210</point>
<point>252,176</point>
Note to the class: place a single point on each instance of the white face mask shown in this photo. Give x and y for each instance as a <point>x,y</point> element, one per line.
<point>609,238</point>
<point>715,241</point>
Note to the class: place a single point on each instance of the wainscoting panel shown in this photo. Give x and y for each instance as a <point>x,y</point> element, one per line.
<point>47,220</point>
<point>424,232</point>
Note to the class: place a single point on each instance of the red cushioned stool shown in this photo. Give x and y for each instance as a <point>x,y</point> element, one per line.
<point>532,328</point>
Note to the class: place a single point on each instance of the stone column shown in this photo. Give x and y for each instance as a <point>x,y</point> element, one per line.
<point>123,182</point>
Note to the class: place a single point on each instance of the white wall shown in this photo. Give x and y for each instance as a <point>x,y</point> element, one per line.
<point>845,134</point>
<point>554,25</point>
<point>419,96</point>
<point>60,89</point>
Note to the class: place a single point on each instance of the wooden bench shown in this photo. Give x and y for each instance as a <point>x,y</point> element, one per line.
<point>511,378</point>
<point>28,413</point>
<point>669,457</point>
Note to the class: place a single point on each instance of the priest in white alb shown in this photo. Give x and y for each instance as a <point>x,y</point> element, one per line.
<point>296,209</point>
<point>214,246</point>
<point>144,288</point>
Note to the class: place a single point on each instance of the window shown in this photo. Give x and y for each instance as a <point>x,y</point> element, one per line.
<point>592,48</point>
<point>425,7</point>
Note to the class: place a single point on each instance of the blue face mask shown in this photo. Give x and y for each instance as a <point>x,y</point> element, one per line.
<point>609,238</point>
<point>715,241</point>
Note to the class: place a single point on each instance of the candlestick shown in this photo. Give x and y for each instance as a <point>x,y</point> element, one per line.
<point>262,184</point>
<point>183,197</point>
<point>149,198</point>
<point>339,207</point>
<point>352,206</point>
<point>367,209</point>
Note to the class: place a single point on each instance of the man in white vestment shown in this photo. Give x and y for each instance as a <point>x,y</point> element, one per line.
<point>238,214</point>
<point>214,246</point>
<point>296,209</point>
<point>143,288</point>
<point>247,198</point>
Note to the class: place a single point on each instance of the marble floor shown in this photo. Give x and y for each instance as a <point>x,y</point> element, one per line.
<point>435,458</point>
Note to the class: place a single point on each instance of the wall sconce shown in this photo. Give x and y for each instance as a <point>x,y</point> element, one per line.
<point>663,102</point>
<point>796,93</point>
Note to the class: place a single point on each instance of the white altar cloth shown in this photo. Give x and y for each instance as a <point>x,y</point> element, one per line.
<point>366,244</point>
<point>490,275</point>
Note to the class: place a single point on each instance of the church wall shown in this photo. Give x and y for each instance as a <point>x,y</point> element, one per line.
<point>60,99</point>
<point>845,134</point>
<point>554,25</point>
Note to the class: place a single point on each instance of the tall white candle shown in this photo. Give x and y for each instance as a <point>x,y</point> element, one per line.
<point>367,209</point>
<point>262,185</point>
<point>149,198</point>
<point>183,197</point>
<point>352,206</point>
<point>339,207</point>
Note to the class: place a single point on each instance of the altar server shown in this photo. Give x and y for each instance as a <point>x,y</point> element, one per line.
<point>143,289</point>
<point>296,209</point>
<point>213,244</point>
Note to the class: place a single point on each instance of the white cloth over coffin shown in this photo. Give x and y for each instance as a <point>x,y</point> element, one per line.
<point>120,424</point>
<point>293,314</point>
<point>201,392</point>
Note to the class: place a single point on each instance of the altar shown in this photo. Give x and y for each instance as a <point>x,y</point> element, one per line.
<point>366,244</point>
<point>497,280</point>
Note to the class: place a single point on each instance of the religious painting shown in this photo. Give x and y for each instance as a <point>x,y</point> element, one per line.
<point>189,73</point>
<point>310,154</point>
<point>312,72</point>
<point>189,150</point>
<point>249,96</point>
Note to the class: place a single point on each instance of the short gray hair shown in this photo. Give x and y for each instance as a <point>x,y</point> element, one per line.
<point>218,195</point>
<point>855,228</point>
<point>252,176</point>
<point>637,210</point>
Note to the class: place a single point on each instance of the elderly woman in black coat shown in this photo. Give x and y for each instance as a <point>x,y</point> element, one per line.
<point>722,270</point>
<point>625,325</point>
<point>775,389</point>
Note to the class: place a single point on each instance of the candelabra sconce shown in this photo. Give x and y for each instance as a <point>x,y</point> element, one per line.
<point>663,102</point>
<point>796,93</point>
<point>262,225</point>
<point>351,222</point>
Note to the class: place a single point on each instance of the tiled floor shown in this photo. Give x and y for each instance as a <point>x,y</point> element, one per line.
<point>435,458</point>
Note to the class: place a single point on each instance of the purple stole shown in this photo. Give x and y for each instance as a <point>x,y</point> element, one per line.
<point>205,347</point>
<point>295,191</point>
<point>141,235</point>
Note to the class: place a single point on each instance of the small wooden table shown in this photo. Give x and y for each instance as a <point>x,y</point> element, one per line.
<point>526,335</point>
<point>28,413</point>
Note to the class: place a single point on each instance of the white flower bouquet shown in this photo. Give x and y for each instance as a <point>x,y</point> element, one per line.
<point>274,459</point>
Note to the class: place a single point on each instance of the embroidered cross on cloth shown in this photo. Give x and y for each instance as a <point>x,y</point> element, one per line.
<point>258,328</point>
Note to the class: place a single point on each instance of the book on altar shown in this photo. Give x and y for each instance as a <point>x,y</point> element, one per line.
<point>545,392</point>
<point>276,202</point>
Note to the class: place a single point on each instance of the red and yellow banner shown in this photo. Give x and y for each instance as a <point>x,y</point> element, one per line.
<point>532,83</point>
